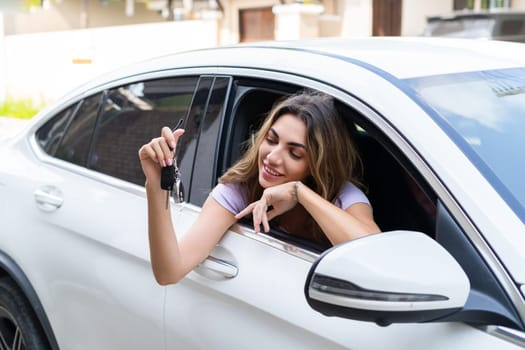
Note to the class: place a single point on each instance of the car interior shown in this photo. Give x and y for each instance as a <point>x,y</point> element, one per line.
<point>399,198</point>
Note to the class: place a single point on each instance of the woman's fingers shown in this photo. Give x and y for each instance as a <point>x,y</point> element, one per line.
<point>161,149</point>
<point>266,225</point>
<point>258,215</point>
<point>258,210</point>
<point>171,137</point>
<point>167,134</point>
<point>280,201</point>
<point>271,214</point>
<point>175,137</point>
<point>158,153</point>
<point>146,152</point>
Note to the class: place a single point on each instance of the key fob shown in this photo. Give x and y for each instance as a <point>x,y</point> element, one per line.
<point>167,178</point>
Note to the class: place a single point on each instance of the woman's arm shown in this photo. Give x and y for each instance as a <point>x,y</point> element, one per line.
<point>338,225</point>
<point>172,259</point>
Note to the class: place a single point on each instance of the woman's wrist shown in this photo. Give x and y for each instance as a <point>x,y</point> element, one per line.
<point>296,186</point>
<point>152,187</point>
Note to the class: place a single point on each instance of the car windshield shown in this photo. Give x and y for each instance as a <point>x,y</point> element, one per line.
<point>483,112</point>
<point>460,27</point>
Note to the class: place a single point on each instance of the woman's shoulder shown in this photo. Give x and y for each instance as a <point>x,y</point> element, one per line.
<point>351,194</point>
<point>229,187</point>
<point>230,195</point>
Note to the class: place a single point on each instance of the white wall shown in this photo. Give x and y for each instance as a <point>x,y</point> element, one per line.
<point>297,21</point>
<point>357,18</point>
<point>414,14</point>
<point>518,4</point>
<point>42,66</point>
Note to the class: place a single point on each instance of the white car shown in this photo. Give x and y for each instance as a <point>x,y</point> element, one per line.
<point>439,126</point>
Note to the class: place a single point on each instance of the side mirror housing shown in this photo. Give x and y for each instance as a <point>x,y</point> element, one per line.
<point>392,277</point>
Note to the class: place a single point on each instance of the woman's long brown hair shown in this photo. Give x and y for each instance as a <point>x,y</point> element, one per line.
<point>331,154</point>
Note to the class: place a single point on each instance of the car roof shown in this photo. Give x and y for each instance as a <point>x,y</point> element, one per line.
<point>408,57</point>
<point>391,57</point>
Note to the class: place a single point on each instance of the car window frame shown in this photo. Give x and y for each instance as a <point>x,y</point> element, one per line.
<point>246,86</point>
<point>72,109</point>
<point>78,109</point>
<point>205,171</point>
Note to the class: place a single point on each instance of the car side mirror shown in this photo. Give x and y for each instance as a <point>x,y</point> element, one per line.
<point>392,277</point>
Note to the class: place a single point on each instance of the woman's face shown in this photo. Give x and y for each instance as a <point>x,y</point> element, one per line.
<point>283,154</point>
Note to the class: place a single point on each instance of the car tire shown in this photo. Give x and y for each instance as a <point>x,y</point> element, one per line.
<point>19,326</point>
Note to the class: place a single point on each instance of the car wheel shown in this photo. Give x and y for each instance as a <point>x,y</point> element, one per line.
<point>19,327</point>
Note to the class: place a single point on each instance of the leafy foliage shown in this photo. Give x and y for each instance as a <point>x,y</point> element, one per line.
<point>19,108</point>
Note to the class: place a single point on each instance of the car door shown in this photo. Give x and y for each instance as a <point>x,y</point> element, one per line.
<point>94,276</point>
<point>249,293</point>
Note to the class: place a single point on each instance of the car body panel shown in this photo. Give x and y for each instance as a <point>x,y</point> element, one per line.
<point>244,312</point>
<point>111,263</point>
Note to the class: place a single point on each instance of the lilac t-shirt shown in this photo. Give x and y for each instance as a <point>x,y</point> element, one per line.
<point>231,197</point>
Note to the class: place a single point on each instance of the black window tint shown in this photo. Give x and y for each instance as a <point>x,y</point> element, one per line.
<point>75,144</point>
<point>133,115</point>
<point>204,176</point>
<point>50,134</point>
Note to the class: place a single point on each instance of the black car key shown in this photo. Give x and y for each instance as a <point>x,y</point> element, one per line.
<point>169,175</point>
<point>167,178</point>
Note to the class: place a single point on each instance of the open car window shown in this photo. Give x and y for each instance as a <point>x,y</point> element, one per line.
<point>399,197</point>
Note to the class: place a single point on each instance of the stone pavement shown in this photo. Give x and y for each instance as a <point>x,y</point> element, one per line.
<point>9,126</point>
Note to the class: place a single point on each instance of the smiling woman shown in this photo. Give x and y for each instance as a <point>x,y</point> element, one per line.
<point>299,172</point>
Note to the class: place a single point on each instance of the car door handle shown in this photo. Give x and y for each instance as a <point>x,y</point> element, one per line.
<point>220,266</point>
<point>48,198</point>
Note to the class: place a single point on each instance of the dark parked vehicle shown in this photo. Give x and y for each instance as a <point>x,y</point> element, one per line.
<point>508,26</point>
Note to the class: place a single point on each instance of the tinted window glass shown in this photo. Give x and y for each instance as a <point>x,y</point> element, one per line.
<point>205,162</point>
<point>75,143</point>
<point>50,134</point>
<point>133,115</point>
<point>188,142</point>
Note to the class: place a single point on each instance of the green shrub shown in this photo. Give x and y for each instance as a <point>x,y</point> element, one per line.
<point>19,108</point>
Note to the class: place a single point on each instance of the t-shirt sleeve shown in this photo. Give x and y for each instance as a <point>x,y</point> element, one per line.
<point>351,194</point>
<point>230,197</point>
